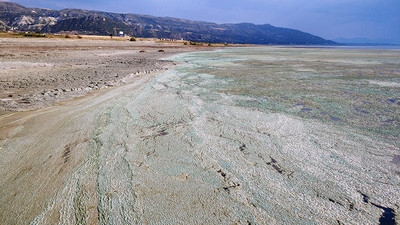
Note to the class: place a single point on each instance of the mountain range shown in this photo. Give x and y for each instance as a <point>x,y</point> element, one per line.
<point>16,17</point>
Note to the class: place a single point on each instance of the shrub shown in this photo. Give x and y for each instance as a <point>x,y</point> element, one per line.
<point>34,35</point>
<point>196,43</point>
<point>132,39</point>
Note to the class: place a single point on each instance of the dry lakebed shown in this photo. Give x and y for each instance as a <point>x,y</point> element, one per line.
<point>97,132</point>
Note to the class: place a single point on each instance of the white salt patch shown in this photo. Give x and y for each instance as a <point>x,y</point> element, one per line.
<point>116,53</point>
<point>385,84</point>
<point>21,65</point>
<point>158,87</point>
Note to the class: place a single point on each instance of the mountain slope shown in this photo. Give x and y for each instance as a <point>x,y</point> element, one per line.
<point>17,17</point>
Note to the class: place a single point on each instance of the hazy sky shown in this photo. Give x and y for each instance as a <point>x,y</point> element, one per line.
<point>373,19</point>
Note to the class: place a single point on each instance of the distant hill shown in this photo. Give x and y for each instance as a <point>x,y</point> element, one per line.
<point>17,17</point>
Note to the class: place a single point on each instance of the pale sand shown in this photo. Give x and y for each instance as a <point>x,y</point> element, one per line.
<point>40,72</point>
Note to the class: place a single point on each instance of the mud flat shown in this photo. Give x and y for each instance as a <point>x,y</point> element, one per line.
<point>234,136</point>
<point>37,72</point>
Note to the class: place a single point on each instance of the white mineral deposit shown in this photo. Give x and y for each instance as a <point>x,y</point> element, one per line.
<point>255,135</point>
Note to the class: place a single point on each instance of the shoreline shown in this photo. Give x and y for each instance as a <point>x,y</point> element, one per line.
<point>40,72</point>
<point>37,73</point>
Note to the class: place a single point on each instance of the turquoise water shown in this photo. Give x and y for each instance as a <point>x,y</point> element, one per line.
<point>355,47</point>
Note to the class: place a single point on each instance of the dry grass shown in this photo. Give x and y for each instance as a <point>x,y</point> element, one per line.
<point>70,36</point>
<point>108,38</point>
